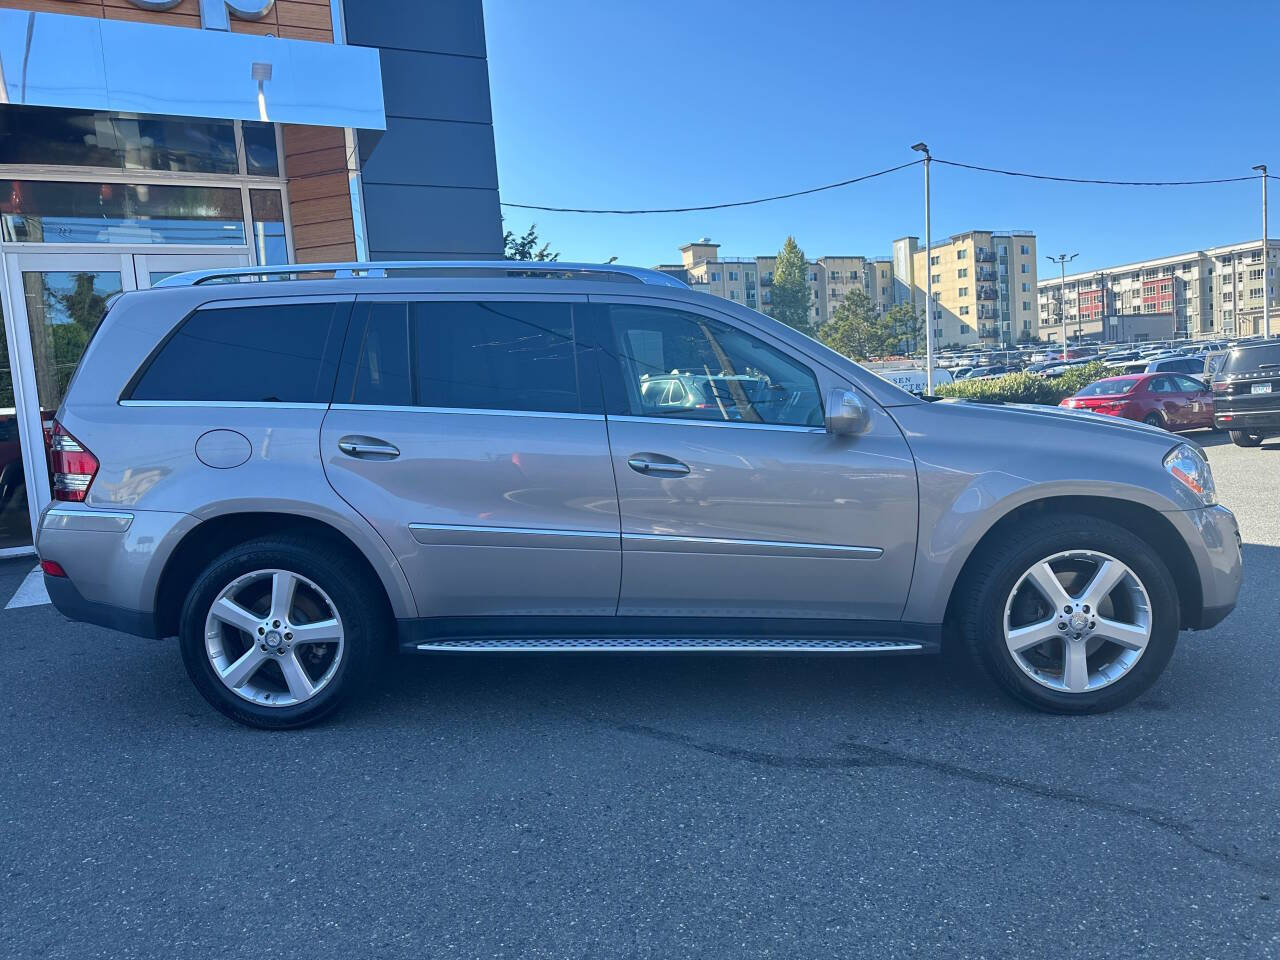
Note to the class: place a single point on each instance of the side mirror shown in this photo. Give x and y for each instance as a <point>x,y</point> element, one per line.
<point>847,414</point>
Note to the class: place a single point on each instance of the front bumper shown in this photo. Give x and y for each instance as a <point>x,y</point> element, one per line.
<point>1213,535</point>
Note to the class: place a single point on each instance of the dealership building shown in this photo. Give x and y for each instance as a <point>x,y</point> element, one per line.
<point>141,138</point>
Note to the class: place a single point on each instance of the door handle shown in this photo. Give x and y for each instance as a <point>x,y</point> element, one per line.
<point>656,465</point>
<point>368,448</point>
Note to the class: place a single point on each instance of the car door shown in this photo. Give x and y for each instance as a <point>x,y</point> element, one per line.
<point>471,434</point>
<point>743,505</point>
<point>1171,401</point>
<point>1199,401</point>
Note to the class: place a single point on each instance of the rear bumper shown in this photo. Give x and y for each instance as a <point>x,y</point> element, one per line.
<point>113,561</point>
<point>1254,421</point>
<point>69,602</point>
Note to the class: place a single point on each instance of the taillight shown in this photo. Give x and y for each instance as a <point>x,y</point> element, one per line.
<point>1220,386</point>
<point>73,466</point>
<point>52,568</point>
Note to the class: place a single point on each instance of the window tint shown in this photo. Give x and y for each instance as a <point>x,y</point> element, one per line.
<point>1188,385</point>
<point>1249,359</point>
<point>1163,385</point>
<point>464,355</point>
<point>274,354</point>
<point>684,365</point>
<point>378,354</point>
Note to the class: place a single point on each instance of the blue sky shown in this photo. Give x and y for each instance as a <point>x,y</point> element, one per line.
<point>613,104</point>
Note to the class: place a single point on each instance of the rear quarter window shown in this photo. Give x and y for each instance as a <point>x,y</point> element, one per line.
<point>277,353</point>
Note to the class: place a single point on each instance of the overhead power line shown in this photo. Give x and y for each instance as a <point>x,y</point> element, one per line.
<point>881,173</point>
<point>722,206</point>
<point>1110,183</point>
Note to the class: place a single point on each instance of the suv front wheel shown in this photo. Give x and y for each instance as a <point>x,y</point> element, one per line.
<point>1072,614</point>
<point>275,634</point>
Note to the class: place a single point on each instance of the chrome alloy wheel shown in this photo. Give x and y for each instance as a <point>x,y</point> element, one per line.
<point>1077,621</point>
<point>273,637</point>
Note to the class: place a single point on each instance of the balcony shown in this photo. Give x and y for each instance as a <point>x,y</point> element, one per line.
<point>987,293</point>
<point>986,312</point>
<point>987,275</point>
<point>985,256</point>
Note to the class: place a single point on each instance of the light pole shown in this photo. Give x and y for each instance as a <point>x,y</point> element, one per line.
<point>928,274</point>
<point>1063,260</point>
<point>1266,265</point>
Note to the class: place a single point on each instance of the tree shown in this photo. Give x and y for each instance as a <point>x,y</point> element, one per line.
<point>526,247</point>
<point>855,329</point>
<point>790,300</point>
<point>906,327</point>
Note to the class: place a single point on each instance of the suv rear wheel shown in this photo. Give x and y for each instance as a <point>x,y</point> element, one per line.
<point>1242,438</point>
<point>1072,614</point>
<point>276,634</point>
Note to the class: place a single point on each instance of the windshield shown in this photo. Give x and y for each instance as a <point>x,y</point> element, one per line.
<point>1108,388</point>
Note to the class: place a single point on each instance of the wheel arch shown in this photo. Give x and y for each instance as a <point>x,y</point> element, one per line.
<point>211,537</point>
<point>1144,522</point>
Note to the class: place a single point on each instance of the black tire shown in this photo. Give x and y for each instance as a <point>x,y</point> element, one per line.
<point>1154,420</point>
<point>348,586</point>
<point>997,569</point>
<point>1242,438</point>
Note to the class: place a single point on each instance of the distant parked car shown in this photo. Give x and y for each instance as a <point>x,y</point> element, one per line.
<point>1169,400</point>
<point>1247,393</point>
<point>1192,365</point>
<point>960,373</point>
<point>986,373</point>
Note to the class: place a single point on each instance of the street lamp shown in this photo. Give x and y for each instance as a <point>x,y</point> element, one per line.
<point>1062,260</point>
<point>923,147</point>
<point>1266,265</point>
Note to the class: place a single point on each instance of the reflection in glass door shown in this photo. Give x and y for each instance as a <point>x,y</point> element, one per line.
<point>15,520</point>
<point>58,300</point>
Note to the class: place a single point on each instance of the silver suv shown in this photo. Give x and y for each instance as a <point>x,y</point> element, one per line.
<point>296,473</point>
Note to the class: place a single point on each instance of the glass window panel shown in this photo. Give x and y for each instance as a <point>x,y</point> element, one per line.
<point>64,308</point>
<point>260,156</point>
<point>494,356</point>
<point>274,354</point>
<point>15,521</point>
<point>723,373</point>
<point>380,358</point>
<point>88,138</point>
<point>267,210</point>
<point>44,211</point>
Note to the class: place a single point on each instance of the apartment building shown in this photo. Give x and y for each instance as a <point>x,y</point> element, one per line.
<point>984,285</point>
<point>748,280</point>
<point>1215,292</point>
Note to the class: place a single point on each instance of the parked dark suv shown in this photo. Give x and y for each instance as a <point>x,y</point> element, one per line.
<point>1247,393</point>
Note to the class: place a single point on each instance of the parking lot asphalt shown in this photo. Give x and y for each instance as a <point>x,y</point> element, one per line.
<point>649,806</point>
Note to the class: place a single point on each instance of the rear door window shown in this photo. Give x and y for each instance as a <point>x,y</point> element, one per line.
<point>275,353</point>
<point>467,355</point>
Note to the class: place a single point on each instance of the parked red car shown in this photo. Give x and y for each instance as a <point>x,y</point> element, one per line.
<point>1174,401</point>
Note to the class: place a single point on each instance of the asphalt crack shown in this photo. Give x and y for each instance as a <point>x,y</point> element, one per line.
<point>861,755</point>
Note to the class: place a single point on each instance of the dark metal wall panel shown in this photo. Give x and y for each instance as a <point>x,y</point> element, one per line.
<point>431,180</point>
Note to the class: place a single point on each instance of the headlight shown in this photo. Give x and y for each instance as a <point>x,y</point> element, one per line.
<point>1191,469</point>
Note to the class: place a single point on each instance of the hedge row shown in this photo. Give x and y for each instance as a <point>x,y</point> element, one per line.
<point>1027,387</point>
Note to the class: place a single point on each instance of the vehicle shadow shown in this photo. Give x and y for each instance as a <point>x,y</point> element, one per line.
<point>1221,438</point>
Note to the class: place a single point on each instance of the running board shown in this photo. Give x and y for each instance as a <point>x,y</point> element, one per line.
<point>671,644</point>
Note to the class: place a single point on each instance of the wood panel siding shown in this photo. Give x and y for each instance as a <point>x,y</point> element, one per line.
<point>295,19</point>
<point>315,163</point>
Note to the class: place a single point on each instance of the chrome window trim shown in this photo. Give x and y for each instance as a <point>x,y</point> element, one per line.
<point>540,414</point>
<point>762,547</point>
<point>225,404</point>
<point>786,427</point>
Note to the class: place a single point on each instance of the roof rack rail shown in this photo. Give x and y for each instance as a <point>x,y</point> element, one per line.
<point>383,268</point>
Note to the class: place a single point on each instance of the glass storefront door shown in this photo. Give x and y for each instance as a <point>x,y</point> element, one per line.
<point>55,303</point>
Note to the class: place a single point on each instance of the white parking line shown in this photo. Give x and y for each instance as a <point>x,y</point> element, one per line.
<point>31,593</point>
